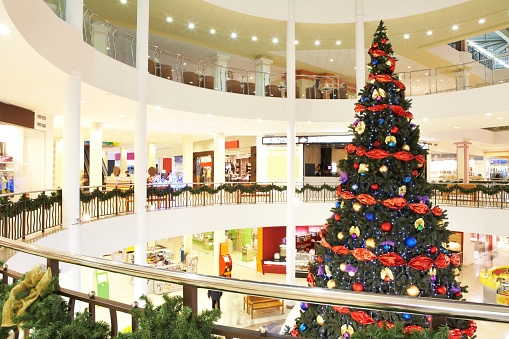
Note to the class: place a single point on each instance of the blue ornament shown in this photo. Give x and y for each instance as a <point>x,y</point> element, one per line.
<point>337,204</point>
<point>410,242</point>
<point>328,257</point>
<point>406,179</point>
<point>380,121</point>
<point>396,100</point>
<point>363,173</point>
<point>364,99</point>
<point>406,316</point>
<point>375,62</point>
<point>370,216</point>
<point>303,327</point>
<point>304,306</point>
<point>355,186</point>
<point>386,247</point>
<point>391,143</point>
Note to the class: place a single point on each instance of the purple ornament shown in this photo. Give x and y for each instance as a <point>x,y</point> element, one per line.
<point>413,125</point>
<point>379,98</point>
<point>387,242</point>
<point>356,122</point>
<point>346,335</point>
<point>343,177</point>
<point>321,270</point>
<point>455,289</point>
<point>354,236</point>
<point>350,268</point>
<point>433,278</point>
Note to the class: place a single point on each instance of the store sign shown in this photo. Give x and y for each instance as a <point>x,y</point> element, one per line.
<point>319,139</point>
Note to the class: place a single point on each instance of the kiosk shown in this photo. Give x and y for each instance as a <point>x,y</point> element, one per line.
<point>225,261</point>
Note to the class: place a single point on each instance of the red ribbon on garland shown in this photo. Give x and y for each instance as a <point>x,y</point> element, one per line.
<point>411,328</point>
<point>387,324</point>
<point>363,254</point>
<point>310,279</point>
<point>455,334</point>
<point>442,261</point>
<point>391,259</point>
<point>421,263</point>
<point>393,66</point>
<point>420,159</point>
<point>361,151</point>
<point>340,250</point>
<point>359,108</point>
<point>377,154</point>
<point>403,155</point>
<point>383,78</point>
<point>455,259</point>
<point>376,53</point>
<point>399,84</point>
<point>324,243</point>
<point>341,309</point>
<point>350,148</point>
<point>409,115</point>
<point>361,317</point>
<point>419,208</point>
<point>398,110</point>
<point>395,203</point>
<point>347,195</point>
<point>366,199</point>
<point>378,107</point>
<point>437,211</point>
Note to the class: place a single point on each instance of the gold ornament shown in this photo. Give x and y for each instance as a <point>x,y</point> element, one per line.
<point>455,271</point>
<point>402,190</point>
<point>340,235</point>
<point>382,92</point>
<point>432,271</point>
<point>342,267</point>
<point>363,168</point>
<point>331,284</point>
<point>419,224</point>
<point>412,291</point>
<point>388,63</point>
<point>357,206</point>
<point>328,271</point>
<point>386,272</point>
<point>405,148</point>
<point>319,319</point>
<point>383,169</point>
<point>372,81</point>
<point>370,242</point>
<point>420,165</point>
<point>347,328</point>
<point>342,204</point>
<point>355,229</point>
<point>441,223</point>
<point>377,93</point>
<point>390,138</point>
<point>360,127</point>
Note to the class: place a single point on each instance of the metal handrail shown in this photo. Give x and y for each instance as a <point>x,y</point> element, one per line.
<point>393,303</point>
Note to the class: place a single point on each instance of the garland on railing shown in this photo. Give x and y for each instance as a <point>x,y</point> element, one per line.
<point>324,187</point>
<point>496,189</point>
<point>249,189</point>
<point>105,195</point>
<point>11,209</point>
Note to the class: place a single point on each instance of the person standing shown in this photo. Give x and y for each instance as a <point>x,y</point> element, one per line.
<point>216,297</point>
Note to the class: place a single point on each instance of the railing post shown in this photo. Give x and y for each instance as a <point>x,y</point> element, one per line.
<point>190,295</point>
<point>43,214</point>
<point>114,322</point>
<point>54,265</point>
<point>437,322</point>
<point>97,206</point>
<point>24,218</point>
<point>478,196</point>
<point>116,200</point>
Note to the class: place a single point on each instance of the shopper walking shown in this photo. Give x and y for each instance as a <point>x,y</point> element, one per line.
<point>216,297</point>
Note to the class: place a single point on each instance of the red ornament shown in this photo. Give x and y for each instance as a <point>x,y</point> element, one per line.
<point>384,40</point>
<point>441,289</point>
<point>457,294</point>
<point>358,287</point>
<point>295,333</point>
<point>387,278</point>
<point>375,45</point>
<point>415,173</point>
<point>377,143</point>
<point>394,130</point>
<point>374,187</point>
<point>433,250</point>
<point>356,165</point>
<point>319,260</point>
<point>386,226</point>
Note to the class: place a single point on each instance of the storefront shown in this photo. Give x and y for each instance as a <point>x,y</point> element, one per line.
<point>444,167</point>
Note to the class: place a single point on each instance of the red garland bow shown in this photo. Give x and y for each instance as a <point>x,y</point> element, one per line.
<point>360,151</point>
<point>338,190</point>
<point>310,279</point>
<point>324,243</point>
<point>359,108</point>
<point>437,211</point>
<point>409,115</point>
<point>403,155</point>
<point>366,199</point>
<point>321,234</point>
<point>395,203</point>
<point>419,208</point>
<point>393,65</point>
<point>455,334</point>
<point>363,254</point>
<point>376,53</point>
<point>399,84</point>
<point>350,148</point>
<point>398,110</point>
<point>411,328</point>
<point>347,195</point>
<point>391,259</point>
<point>340,250</point>
<point>377,154</point>
<point>381,324</point>
<point>421,263</point>
<point>420,159</point>
<point>469,332</point>
<point>455,259</point>
<point>378,107</point>
<point>383,78</point>
<point>361,317</point>
<point>442,261</point>
<point>341,309</point>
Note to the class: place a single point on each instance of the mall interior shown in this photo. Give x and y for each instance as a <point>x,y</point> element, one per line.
<point>147,143</point>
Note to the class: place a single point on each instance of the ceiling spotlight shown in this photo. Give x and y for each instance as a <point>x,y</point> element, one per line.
<point>234,35</point>
<point>456,127</point>
<point>4,30</point>
<point>454,27</point>
<point>296,42</point>
<point>191,25</point>
<point>429,32</point>
<point>275,40</point>
<point>425,119</point>
<point>158,108</point>
<point>331,60</point>
<point>82,102</point>
<point>123,1</point>
<point>168,19</point>
<point>254,38</point>
<point>406,36</point>
<point>338,42</point>
<point>209,115</point>
<point>409,66</point>
<point>481,21</point>
<point>488,114</point>
<point>317,42</point>
<point>259,120</point>
<point>212,31</point>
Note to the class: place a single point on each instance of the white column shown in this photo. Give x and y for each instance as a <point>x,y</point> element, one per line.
<point>483,168</point>
<point>261,160</point>
<point>290,145</point>
<point>82,150</point>
<point>219,238</point>
<point>468,249</point>
<point>49,163</point>
<point>74,13</point>
<point>123,160</point>
<point>140,145</point>
<point>262,76</point>
<point>220,72</point>
<point>188,243</point>
<point>71,171</point>
<point>59,151</point>
<point>96,154</point>
<point>187,158</point>
<point>360,57</point>
<point>219,154</point>
<point>462,159</point>
<point>151,157</point>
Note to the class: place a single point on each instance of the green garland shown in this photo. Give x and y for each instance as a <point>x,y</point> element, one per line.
<point>493,190</point>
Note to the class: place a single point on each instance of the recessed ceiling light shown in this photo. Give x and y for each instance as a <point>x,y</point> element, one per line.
<point>123,1</point>
<point>418,79</point>
<point>441,79</point>
<point>82,102</point>
<point>454,27</point>
<point>245,127</point>
<point>275,40</point>
<point>309,122</point>
<point>211,124</point>
<point>168,19</point>
<point>251,78</point>
<point>209,115</point>
<point>406,36</point>
<point>118,132</point>
<point>191,25</point>
<point>121,116</point>
<point>456,127</point>
<point>300,126</point>
<point>488,114</point>
<point>481,21</point>
<point>429,32</point>
<point>158,108</point>
<point>4,30</point>
<point>424,119</point>
<point>331,60</point>
<point>317,42</point>
<point>170,120</point>
<point>500,118</point>
<point>234,35</point>
<point>338,42</point>
<point>185,64</point>
<point>178,136</point>
<point>212,31</point>
<point>259,120</point>
<point>409,66</point>
<point>254,38</point>
<point>296,42</point>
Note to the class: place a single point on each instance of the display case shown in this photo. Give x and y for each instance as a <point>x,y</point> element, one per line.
<point>192,263</point>
<point>302,260</point>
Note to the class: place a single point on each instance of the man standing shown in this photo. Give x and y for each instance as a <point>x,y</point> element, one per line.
<point>215,296</point>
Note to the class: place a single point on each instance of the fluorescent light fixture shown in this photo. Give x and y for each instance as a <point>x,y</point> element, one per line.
<point>212,31</point>
<point>487,53</point>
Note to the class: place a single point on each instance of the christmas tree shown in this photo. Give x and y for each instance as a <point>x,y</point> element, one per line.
<point>384,236</point>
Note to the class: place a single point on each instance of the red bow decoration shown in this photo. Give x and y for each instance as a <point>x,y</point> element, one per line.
<point>338,190</point>
<point>362,317</point>
<point>421,263</point>
<point>361,151</point>
<point>455,259</point>
<point>325,226</point>
<point>403,155</point>
<point>393,65</point>
<point>442,261</point>
<point>324,243</point>
<point>359,108</point>
<point>378,154</point>
<point>411,328</point>
<point>350,148</point>
<point>421,159</point>
<point>409,115</point>
<point>398,110</point>
<point>437,211</point>
<point>391,259</point>
<point>387,324</point>
<point>366,199</point>
<point>469,332</point>
<point>310,279</point>
<point>378,107</point>
<point>399,84</point>
<point>321,234</point>
<point>363,254</point>
<point>395,203</point>
<point>347,195</point>
<point>455,334</point>
<point>383,78</point>
<point>419,208</point>
<point>341,309</point>
<point>340,250</point>
<point>376,53</point>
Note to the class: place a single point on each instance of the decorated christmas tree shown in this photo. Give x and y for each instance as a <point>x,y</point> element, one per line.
<point>384,236</point>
